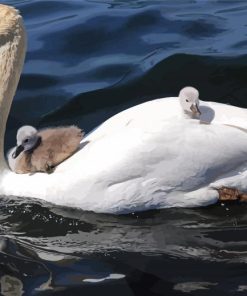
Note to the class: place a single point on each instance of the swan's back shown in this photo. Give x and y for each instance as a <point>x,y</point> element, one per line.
<point>154,111</point>
<point>169,109</point>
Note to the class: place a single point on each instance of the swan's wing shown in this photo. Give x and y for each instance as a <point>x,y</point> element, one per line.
<point>146,168</point>
<point>225,114</point>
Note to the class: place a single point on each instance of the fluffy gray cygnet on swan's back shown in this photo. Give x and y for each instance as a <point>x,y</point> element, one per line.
<point>41,151</point>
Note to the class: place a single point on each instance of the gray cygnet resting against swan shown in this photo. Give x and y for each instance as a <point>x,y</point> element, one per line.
<point>41,151</point>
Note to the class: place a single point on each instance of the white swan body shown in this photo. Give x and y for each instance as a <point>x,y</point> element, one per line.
<point>146,157</point>
<point>140,167</point>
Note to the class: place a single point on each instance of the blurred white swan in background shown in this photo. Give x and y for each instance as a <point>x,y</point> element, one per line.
<point>153,155</point>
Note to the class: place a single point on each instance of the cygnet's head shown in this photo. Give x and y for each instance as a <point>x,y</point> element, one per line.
<point>189,100</point>
<point>27,139</point>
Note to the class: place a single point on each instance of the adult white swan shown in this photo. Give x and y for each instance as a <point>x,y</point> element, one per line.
<point>145,157</point>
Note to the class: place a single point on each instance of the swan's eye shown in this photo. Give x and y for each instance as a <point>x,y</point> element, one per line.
<point>26,141</point>
<point>187,101</point>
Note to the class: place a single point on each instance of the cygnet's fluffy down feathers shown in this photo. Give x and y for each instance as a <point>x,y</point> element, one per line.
<point>56,145</point>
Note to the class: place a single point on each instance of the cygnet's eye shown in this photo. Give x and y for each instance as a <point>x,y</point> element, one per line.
<point>26,140</point>
<point>187,100</point>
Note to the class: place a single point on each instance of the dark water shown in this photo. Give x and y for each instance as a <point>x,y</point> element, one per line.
<point>86,61</point>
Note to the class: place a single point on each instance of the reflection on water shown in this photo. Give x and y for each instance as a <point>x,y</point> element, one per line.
<point>64,247</point>
<point>86,61</point>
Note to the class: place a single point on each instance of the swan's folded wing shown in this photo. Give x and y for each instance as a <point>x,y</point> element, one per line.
<point>227,115</point>
<point>147,168</point>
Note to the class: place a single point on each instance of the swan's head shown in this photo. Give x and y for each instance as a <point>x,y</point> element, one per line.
<point>189,100</point>
<point>27,139</point>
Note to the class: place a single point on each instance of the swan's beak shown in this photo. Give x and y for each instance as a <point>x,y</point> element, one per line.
<point>195,109</point>
<point>17,151</point>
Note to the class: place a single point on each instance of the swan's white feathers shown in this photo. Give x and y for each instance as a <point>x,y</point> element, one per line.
<point>146,157</point>
<point>131,169</point>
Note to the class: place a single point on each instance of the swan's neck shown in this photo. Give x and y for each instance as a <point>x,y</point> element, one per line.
<point>12,53</point>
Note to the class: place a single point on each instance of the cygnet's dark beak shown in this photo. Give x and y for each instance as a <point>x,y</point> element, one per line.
<point>17,151</point>
<point>195,110</point>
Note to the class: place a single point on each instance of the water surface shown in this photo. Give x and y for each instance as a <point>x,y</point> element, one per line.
<point>86,61</point>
